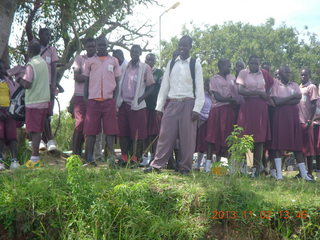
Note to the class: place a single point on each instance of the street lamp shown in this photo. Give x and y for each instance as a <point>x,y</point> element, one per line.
<point>172,7</point>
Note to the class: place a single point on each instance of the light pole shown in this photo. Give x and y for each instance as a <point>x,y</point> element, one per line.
<point>172,7</point>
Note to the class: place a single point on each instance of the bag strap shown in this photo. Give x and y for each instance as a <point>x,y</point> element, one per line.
<point>44,50</point>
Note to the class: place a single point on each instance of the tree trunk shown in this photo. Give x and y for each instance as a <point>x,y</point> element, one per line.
<point>7,10</point>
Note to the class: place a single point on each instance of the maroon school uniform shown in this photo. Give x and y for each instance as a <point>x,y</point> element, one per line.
<point>286,130</point>
<point>223,115</point>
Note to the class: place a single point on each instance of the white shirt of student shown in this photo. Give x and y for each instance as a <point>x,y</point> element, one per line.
<point>178,84</point>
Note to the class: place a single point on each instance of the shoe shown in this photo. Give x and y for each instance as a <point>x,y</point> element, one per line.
<point>184,172</point>
<point>90,164</point>
<point>145,161</point>
<point>31,164</point>
<point>52,145</point>
<point>297,176</point>
<point>151,169</point>
<point>124,160</point>
<point>273,173</point>
<point>42,146</point>
<point>2,167</point>
<point>14,164</point>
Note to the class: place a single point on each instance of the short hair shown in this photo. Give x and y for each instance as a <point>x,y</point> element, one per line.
<point>89,39</point>
<point>34,47</point>
<point>118,52</point>
<point>222,61</point>
<point>151,54</point>
<point>253,56</point>
<point>307,69</point>
<point>137,46</point>
<point>187,38</point>
<point>42,30</point>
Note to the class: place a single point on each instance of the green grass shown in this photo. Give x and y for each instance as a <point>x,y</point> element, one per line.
<point>107,203</point>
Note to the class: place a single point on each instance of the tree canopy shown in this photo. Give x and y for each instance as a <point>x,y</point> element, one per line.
<point>237,41</point>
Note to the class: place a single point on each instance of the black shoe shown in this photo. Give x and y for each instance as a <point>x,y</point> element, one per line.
<point>151,169</point>
<point>90,164</point>
<point>297,176</point>
<point>184,172</point>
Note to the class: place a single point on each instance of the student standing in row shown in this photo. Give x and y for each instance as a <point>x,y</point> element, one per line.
<point>185,98</point>
<point>132,117</point>
<point>153,117</point>
<point>307,107</point>
<point>37,98</point>
<point>78,101</point>
<point>102,73</point>
<point>286,131</point>
<point>254,85</point>
<point>8,130</point>
<point>223,114</point>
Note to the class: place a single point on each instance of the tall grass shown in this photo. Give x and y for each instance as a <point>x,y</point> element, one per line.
<point>79,203</point>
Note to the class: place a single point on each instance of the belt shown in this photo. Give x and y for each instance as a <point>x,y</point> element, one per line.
<point>180,99</point>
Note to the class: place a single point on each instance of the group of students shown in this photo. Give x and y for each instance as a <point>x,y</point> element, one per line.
<point>149,110</point>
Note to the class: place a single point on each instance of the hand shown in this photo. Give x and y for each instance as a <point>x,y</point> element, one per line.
<point>3,116</point>
<point>140,99</point>
<point>263,95</point>
<point>159,114</point>
<point>194,116</point>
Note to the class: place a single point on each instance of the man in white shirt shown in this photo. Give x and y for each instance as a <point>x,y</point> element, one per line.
<point>185,98</point>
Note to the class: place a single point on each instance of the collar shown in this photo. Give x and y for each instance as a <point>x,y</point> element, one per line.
<point>137,64</point>
<point>257,73</point>
<point>305,85</point>
<point>186,60</point>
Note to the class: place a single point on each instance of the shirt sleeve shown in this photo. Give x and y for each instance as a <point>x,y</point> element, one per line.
<point>313,93</point>
<point>28,75</point>
<point>148,76</point>
<point>54,55</point>
<point>117,69</point>
<point>199,91</point>
<point>213,85</point>
<point>164,89</point>
<point>274,90</point>
<point>87,67</point>
<point>77,64</point>
<point>241,77</point>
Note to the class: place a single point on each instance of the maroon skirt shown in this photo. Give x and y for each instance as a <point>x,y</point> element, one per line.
<point>316,131</point>
<point>154,122</point>
<point>307,140</point>
<point>220,125</point>
<point>201,143</point>
<point>253,118</point>
<point>286,129</point>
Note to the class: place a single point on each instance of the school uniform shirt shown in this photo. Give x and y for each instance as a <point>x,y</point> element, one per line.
<point>102,73</point>
<point>284,90</point>
<point>309,93</point>
<point>179,84</point>
<point>251,81</point>
<point>78,67</point>
<point>50,55</point>
<point>130,81</point>
<point>225,86</point>
<point>29,76</point>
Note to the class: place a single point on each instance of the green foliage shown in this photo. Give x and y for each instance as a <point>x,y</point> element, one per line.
<point>99,204</point>
<point>64,130</point>
<point>237,41</point>
<point>238,145</point>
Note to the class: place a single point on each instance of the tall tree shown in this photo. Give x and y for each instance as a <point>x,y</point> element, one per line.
<point>237,41</point>
<point>71,21</point>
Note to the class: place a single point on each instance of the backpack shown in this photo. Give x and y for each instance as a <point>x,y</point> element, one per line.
<point>192,66</point>
<point>17,105</point>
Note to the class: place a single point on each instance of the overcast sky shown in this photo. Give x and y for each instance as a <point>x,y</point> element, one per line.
<point>295,13</point>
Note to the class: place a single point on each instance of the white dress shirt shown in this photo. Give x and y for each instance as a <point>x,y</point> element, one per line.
<point>178,84</point>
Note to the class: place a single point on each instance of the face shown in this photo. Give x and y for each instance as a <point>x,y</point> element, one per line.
<point>135,54</point>
<point>304,75</point>
<point>118,56</point>
<point>285,74</point>
<point>276,73</point>
<point>254,65</point>
<point>226,68</point>
<point>45,37</point>
<point>184,48</point>
<point>102,45</point>
<point>239,66</point>
<point>90,48</point>
<point>151,60</point>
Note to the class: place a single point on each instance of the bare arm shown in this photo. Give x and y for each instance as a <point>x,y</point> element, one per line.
<point>220,98</point>
<point>80,78</point>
